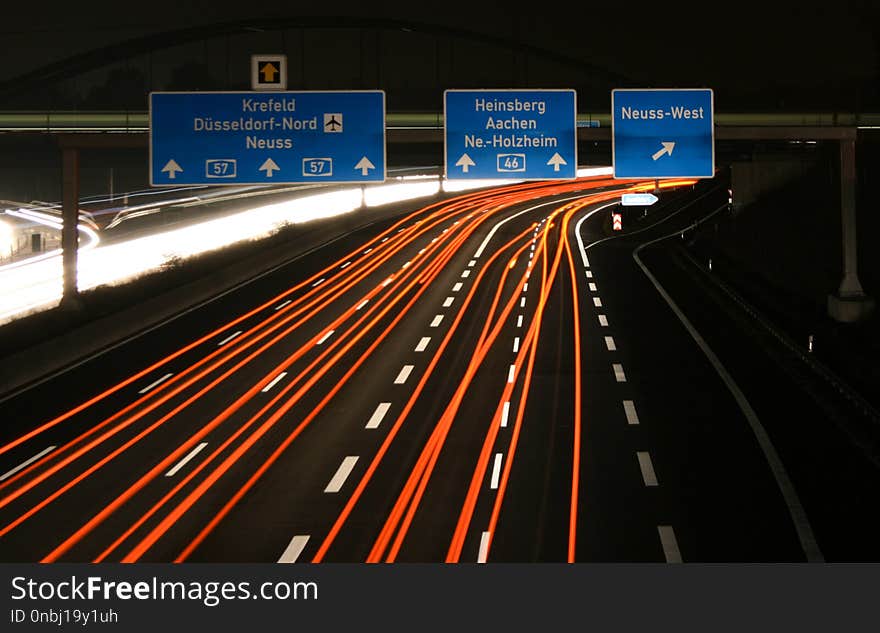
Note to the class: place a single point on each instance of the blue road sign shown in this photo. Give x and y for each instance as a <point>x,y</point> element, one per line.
<point>234,138</point>
<point>521,134</point>
<point>638,199</point>
<point>663,133</point>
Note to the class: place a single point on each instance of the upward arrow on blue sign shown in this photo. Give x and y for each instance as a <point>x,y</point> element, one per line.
<point>663,133</point>
<point>518,134</point>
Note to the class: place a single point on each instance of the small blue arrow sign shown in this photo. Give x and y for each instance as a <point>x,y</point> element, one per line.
<point>663,133</point>
<point>517,134</point>
<point>234,138</point>
<point>638,199</point>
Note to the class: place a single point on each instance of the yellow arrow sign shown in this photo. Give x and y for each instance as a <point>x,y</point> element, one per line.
<point>268,72</point>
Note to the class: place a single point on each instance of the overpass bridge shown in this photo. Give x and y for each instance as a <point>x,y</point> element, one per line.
<point>750,176</point>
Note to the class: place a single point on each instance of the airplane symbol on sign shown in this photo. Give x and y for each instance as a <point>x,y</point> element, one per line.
<point>268,72</point>
<point>332,122</point>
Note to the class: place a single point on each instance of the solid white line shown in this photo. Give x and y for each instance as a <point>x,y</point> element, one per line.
<point>403,375</point>
<point>511,373</point>
<point>228,338</point>
<point>472,262</point>
<point>505,412</point>
<point>456,287</point>
<point>281,305</point>
<point>183,462</point>
<point>619,376</point>
<point>629,408</point>
<point>448,302</point>
<point>326,336</point>
<point>376,419</point>
<point>496,471</point>
<point>297,544</point>
<point>274,382</point>
<point>343,267</point>
<point>26,463</point>
<point>437,320</point>
<point>795,509</point>
<point>362,304</point>
<point>484,548</point>
<point>597,302</point>
<point>589,274</point>
<point>466,274</point>
<point>592,287</point>
<point>515,345</point>
<point>150,386</point>
<point>526,287</point>
<point>319,282</point>
<point>519,321</point>
<point>342,474</point>
<point>423,344</point>
<point>609,343</point>
<point>670,545</point>
<point>522,303</point>
<point>647,468</point>
<point>495,228</point>
<point>603,320</point>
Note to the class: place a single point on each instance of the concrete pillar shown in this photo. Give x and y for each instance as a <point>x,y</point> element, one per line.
<point>850,303</point>
<point>70,219</point>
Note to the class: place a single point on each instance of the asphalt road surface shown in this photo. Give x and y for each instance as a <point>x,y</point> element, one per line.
<point>486,378</point>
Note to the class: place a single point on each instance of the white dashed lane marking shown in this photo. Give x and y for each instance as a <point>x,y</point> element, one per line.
<point>342,474</point>
<point>647,468</point>
<point>423,344</point>
<point>496,471</point>
<point>274,382</point>
<point>154,384</point>
<point>437,320</point>
<point>597,302</point>
<point>484,548</point>
<point>183,462</point>
<point>619,376</point>
<point>603,320</point>
<point>294,549</point>
<point>505,413</point>
<point>286,303</point>
<point>228,338</point>
<point>448,302</point>
<point>378,415</point>
<point>609,343</point>
<point>670,545</point>
<point>326,336</point>
<point>456,287</point>
<point>403,375</point>
<point>629,408</point>
<point>26,463</point>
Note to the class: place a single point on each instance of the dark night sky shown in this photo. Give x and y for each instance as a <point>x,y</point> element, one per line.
<point>738,45</point>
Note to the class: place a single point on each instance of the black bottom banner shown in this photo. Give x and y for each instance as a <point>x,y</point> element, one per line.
<point>415,597</point>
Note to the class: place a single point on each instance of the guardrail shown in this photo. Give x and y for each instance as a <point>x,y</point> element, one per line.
<point>138,121</point>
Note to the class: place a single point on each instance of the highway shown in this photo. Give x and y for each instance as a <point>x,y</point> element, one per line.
<point>488,377</point>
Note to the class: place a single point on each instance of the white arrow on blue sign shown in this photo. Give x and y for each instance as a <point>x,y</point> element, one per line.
<point>663,133</point>
<point>234,138</point>
<point>517,134</point>
<point>638,199</point>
